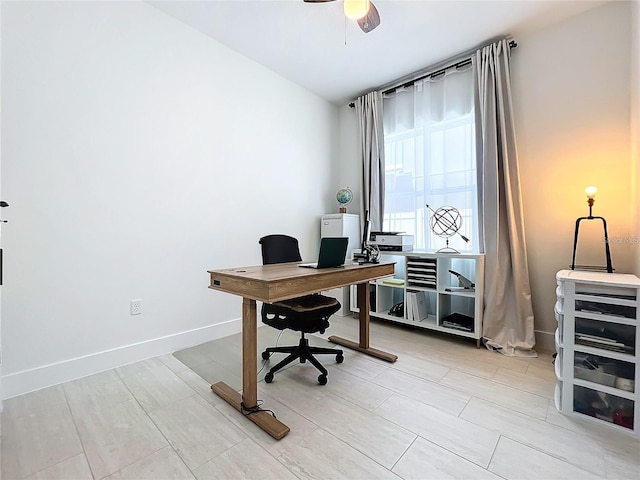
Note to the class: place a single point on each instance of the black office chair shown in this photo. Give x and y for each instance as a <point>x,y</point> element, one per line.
<point>308,314</point>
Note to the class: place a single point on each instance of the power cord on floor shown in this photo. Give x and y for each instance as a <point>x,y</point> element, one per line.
<point>255,409</point>
<point>264,362</point>
<point>246,411</point>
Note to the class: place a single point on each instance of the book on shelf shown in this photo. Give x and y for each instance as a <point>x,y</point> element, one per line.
<point>421,304</point>
<point>393,281</point>
<point>417,306</point>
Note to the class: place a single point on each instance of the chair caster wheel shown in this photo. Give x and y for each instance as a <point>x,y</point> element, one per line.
<point>339,358</point>
<point>268,378</point>
<point>322,379</point>
<point>265,355</point>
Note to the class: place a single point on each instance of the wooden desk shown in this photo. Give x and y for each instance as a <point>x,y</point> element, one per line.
<point>271,283</point>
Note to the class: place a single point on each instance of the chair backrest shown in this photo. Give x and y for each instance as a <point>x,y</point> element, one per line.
<point>279,249</point>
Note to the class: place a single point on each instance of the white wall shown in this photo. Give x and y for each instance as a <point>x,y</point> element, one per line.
<point>635,117</point>
<point>349,169</point>
<point>571,101</point>
<point>138,153</point>
<point>1,394</point>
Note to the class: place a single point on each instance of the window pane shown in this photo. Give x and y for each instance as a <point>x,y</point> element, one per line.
<point>430,159</point>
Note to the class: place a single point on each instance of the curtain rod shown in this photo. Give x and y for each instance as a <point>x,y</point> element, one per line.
<point>434,71</point>
<point>437,73</point>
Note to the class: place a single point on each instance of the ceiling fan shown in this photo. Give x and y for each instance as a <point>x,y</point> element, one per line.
<point>364,11</point>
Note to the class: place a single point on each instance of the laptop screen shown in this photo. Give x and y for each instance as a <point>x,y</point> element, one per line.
<point>333,251</point>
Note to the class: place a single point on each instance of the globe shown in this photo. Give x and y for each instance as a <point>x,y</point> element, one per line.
<point>344,197</point>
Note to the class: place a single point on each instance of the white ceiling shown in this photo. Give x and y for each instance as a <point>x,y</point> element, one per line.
<point>313,45</point>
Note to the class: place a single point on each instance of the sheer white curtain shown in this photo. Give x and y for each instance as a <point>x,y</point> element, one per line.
<point>430,157</point>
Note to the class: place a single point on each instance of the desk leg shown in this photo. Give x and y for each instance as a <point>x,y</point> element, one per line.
<point>365,312</point>
<point>249,398</point>
<point>363,344</point>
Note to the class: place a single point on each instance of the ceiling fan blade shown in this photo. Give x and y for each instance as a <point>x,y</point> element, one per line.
<point>371,20</point>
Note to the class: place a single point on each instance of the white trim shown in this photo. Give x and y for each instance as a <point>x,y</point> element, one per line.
<point>53,374</point>
<point>545,341</point>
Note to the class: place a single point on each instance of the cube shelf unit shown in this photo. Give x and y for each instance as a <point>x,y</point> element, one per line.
<point>597,342</point>
<point>447,307</point>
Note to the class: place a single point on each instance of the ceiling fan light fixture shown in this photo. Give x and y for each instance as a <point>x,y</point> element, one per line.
<point>356,9</point>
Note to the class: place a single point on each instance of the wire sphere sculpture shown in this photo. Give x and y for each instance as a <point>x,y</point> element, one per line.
<point>446,222</point>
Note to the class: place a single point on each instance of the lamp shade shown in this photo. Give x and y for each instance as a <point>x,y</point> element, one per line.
<point>356,9</point>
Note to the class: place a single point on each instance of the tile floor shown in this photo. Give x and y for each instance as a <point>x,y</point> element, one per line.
<point>444,410</point>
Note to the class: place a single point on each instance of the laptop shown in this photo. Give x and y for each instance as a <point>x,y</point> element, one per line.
<point>333,251</point>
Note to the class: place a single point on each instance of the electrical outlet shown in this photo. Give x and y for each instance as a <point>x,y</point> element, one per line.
<point>135,307</point>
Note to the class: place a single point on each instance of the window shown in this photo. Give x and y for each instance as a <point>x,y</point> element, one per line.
<point>429,135</point>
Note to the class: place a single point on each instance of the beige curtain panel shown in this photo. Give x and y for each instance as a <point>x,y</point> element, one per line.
<point>369,112</point>
<point>508,315</point>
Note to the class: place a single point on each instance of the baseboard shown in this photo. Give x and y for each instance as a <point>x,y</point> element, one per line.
<point>545,341</point>
<point>53,374</point>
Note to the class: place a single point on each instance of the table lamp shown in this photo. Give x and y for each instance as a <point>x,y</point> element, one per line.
<point>591,195</point>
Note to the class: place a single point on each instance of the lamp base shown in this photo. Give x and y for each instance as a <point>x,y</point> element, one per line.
<point>607,252</point>
<point>343,210</point>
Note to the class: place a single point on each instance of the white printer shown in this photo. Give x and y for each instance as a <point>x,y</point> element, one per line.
<point>392,241</point>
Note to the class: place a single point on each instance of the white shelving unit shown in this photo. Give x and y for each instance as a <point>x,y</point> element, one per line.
<point>447,308</point>
<point>597,343</point>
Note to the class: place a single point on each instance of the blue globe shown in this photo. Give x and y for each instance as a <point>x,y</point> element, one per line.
<point>344,196</point>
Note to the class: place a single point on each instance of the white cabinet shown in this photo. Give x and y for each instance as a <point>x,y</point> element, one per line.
<point>431,296</point>
<point>342,225</point>
<point>596,344</point>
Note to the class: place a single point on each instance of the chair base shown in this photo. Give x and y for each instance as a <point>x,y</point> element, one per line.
<point>304,352</point>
